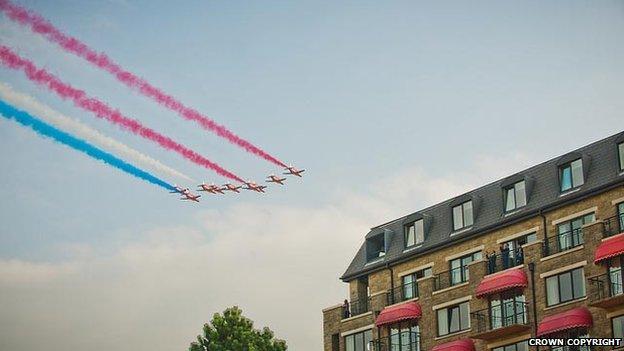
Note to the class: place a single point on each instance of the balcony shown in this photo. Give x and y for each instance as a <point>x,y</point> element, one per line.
<point>356,307</point>
<point>606,290</point>
<point>613,225</point>
<point>507,319</point>
<point>562,242</point>
<point>504,260</point>
<point>403,293</point>
<point>450,278</point>
<point>404,341</point>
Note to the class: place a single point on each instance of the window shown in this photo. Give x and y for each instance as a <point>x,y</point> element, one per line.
<point>462,215</point>
<point>403,337</point>
<point>410,285</point>
<point>515,196</point>
<point>414,233</point>
<point>519,346</point>
<point>565,287</point>
<point>459,267</point>
<point>571,175</point>
<point>617,325</point>
<point>615,276</point>
<point>621,155</point>
<point>375,247</point>
<point>570,233</point>
<point>506,310</point>
<point>359,341</point>
<point>335,343</point>
<point>453,319</point>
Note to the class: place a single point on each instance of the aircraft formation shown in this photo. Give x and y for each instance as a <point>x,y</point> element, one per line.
<point>214,189</point>
<point>46,122</point>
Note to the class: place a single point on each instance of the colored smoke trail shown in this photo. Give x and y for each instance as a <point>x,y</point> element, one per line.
<point>92,136</point>
<point>101,110</point>
<point>70,44</point>
<point>9,112</point>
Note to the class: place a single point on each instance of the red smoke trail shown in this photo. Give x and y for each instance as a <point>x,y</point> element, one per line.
<point>41,26</point>
<point>101,110</point>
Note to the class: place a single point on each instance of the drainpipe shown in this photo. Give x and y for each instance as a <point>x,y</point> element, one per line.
<point>391,282</point>
<point>544,223</point>
<point>532,271</point>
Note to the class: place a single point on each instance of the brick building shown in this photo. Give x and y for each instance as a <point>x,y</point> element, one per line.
<point>538,253</point>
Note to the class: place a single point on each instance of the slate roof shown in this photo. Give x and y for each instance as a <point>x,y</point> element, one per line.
<point>601,171</point>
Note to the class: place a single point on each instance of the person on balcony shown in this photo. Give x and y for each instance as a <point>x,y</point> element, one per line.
<point>519,256</point>
<point>505,255</point>
<point>346,313</point>
<point>491,258</point>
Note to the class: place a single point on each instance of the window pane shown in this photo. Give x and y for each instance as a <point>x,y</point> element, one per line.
<point>465,315</point>
<point>427,272</point>
<point>359,342</point>
<point>510,204</point>
<point>578,280</point>
<point>458,221</point>
<point>454,319</point>
<point>520,194</point>
<point>468,213</point>
<point>566,178</point>
<point>368,336</point>
<point>552,290</point>
<point>565,287</point>
<point>476,256</point>
<point>522,346</point>
<point>350,346</point>
<point>531,237</point>
<point>442,322</point>
<point>577,173</point>
<point>618,327</point>
<point>409,235</point>
<point>419,231</point>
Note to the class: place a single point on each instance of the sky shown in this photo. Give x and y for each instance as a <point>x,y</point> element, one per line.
<point>390,107</point>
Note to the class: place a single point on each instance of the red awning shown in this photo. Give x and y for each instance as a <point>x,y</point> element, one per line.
<point>579,317</point>
<point>611,247</point>
<point>514,278</point>
<point>458,345</point>
<point>396,313</point>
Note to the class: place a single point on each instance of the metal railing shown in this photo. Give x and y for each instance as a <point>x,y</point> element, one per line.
<point>504,315</point>
<point>403,293</point>
<point>613,225</point>
<point>605,285</point>
<point>405,341</point>
<point>450,278</point>
<point>356,307</point>
<point>504,260</point>
<point>562,242</point>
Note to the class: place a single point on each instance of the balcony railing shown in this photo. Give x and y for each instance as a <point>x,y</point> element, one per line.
<point>501,260</point>
<point>605,286</point>
<point>504,315</point>
<point>613,225</point>
<point>405,341</point>
<point>356,307</point>
<point>450,278</point>
<point>403,293</point>
<point>562,242</point>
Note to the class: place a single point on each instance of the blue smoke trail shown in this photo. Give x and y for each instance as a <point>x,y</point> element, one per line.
<point>11,113</point>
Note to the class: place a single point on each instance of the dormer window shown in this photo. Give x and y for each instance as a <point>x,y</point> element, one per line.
<point>414,233</point>
<point>621,155</point>
<point>375,247</point>
<point>515,196</point>
<point>571,175</point>
<point>462,215</point>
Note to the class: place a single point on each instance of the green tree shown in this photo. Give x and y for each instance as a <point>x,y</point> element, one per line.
<point>234,332</point>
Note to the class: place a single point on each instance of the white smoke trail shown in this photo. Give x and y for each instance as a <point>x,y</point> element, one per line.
<point>83,131</point>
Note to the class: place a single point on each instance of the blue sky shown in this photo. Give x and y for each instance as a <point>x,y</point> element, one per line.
<point>369,97</point>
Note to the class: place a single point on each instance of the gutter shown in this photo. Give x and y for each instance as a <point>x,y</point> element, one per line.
<point>555,205</point>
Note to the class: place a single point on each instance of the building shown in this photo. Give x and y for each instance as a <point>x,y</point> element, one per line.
<point>538,253</point>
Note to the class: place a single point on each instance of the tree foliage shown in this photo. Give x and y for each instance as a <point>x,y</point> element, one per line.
<point>234,332</point>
